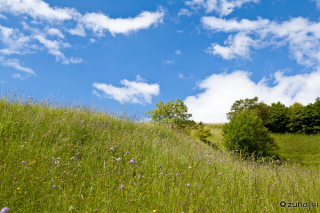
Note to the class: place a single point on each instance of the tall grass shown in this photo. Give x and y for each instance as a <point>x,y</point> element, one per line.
<point>71,159</point>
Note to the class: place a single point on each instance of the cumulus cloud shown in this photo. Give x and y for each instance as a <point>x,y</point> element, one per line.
<point>184,12</point>
<point>222,7</point>
<point>98,22</point>
<point>301,35</point>
<point>222,90</point>
<point>15,63</point>
<point>134,91</point>
<point>178,52</point>
<point>55,32</point>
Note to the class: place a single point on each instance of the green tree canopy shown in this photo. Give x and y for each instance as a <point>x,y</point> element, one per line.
<point>174,114</point>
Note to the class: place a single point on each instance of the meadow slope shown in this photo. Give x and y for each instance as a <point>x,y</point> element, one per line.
<point>77,160</point>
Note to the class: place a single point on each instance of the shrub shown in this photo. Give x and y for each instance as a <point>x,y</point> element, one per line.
<point>202,132</point>
<point>246,132</point>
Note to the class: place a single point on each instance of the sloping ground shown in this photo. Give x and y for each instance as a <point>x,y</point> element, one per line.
<point>64,160</point>
<point>298,148</point>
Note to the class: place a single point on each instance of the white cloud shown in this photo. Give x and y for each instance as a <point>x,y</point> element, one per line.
<point>179,31</point>
<point>318,2</point>
<point>178,52</point>
<point>222,7</point>
<point>184,12</point>
<point>133,92</point>
<point>38,9</point>
<point>98,22</point>
<point>3,16</point>
<point>79,31</point>
<point>182,76</point>
<point>14,41</point>
<point>92,40</point>
<point>239,46</point>
<point>222,90</point>
<point>54,49</point>
<point>14,63</point>
<point>55,32</point>
<point>167,62</point>
<point>301,35</point>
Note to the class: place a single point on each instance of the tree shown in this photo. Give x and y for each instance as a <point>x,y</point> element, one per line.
<point>295,117</point>
<point>174,114</point>
<point>246,132</point>
<point>261,109</point>
<point>279,118</point>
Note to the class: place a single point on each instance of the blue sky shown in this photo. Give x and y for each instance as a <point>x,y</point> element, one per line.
<point>208,53</point>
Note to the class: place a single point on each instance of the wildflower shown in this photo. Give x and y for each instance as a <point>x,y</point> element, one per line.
<point>18,188</point>
<point>219,174</point>
<point>190,167</point>
<point>23,161</point>
<point>278,160</point>
<point>280,181</point>
<point>127,152</point>
<point>122,186</point>
<point>208,160</point>
<point>241,205</point>
<point>131,161</point>
<point>221,160</point>
<point>154,211</point>
<point>161,173</point>
<point>111,148</point>
<point>160,166</point>
<point>177,174</point>
<point>223,210</point>
<point>56,162</point>
<point>251,176</point>
<point>119,159</point>
<point>54,186</point>
<point>74,161</point>
<point>4,210</point>
<point>76,158</point>
<point>97,210</point>
<point>137,165</point>
<point>188,185</point>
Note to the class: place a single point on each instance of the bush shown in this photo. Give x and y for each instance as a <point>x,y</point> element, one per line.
<point>202,132</point>
<point>246,132</point>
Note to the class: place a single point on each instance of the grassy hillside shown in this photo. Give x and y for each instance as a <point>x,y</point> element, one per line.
<point>75,160</point>
<point>298,148</point>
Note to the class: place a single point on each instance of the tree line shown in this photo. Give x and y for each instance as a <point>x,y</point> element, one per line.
<point>278,118</point>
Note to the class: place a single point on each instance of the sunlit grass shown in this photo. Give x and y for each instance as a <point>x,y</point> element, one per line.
<point>67,160</point>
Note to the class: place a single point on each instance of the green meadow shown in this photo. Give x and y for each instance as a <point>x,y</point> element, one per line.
<point>56,158</point>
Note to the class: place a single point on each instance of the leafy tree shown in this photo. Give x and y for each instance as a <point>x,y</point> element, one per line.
<point>246,132</point>
<point>279,118</point>
<point>172,114</point>
<point>202,132</point>
<point>261,109</point>
<point>295,117</point>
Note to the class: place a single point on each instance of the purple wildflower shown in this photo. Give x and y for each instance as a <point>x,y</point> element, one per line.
<point>161,173</point>
<point>131,161</point>
<point>219,174</point>
<point>122,186</point>
<point>190,167</point>
<point>280,181</point>
<point>74,161</point>
<point>127,152</point>
<point>188,185</point>
<point>4,210</point>
<point>81,158</point>
<point>97,210</point>
<point>76,158</point>
<point>111,148</point>
<point>137,165</point>
<point>160,166</point>
<point>119,159</point>
<point>208,160</point>
<point>54,186</point>
<point>177,174</point>
<point>23,161</point>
